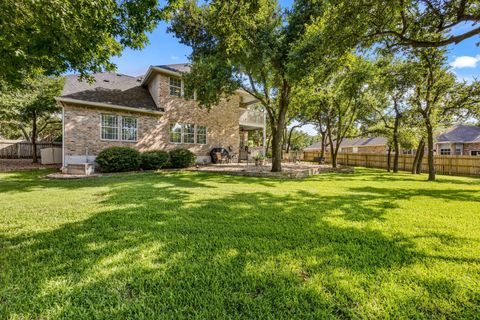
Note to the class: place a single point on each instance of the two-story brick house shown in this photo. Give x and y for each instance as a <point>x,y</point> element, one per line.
<point>150,113</point>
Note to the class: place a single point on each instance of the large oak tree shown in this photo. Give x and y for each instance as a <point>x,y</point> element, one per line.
<point>247,45</point>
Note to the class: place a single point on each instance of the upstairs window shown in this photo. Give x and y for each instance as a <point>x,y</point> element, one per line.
<point>119,128</point>
<point>175,87</point>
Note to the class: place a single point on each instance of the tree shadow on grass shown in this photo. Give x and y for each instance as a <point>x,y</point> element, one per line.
<point>158,250</point>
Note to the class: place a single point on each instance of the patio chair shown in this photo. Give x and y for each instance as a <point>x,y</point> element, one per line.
<point>232,157</point>
<point>219,158</point>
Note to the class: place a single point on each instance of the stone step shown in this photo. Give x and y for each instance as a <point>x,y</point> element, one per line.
<point>84,169</point>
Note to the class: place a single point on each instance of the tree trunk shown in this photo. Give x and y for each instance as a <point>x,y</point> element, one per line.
<point>389,155</point>
<point>289,139</point>
<point>431,160</point>
<point>420,159</point>
<point>33,139</point>
<point>278,129</point>
<point>396,145</point>
<point>323,142</point>
<point>333,154</point>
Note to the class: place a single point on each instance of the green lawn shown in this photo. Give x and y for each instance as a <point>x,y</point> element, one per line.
<point>198,245</point>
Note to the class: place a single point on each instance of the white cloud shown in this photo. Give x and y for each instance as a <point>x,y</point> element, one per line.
<point>465,62</point>
<point>174,57</point>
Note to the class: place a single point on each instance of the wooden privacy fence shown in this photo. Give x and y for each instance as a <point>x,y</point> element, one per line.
<point>10,149</point>
<point>450,165</point>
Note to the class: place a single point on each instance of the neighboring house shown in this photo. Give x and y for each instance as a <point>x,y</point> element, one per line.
<point>356,145</point>
<point>150,113</point>
<point>459,140</point>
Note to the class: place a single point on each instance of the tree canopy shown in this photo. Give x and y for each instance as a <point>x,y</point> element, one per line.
<point>55,36</point>
<point>244,45</point>
<point>31,107</point>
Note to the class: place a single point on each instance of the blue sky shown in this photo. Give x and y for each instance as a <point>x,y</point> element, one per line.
<point>164,48</point>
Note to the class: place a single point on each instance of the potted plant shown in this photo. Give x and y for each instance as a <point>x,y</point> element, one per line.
<point>259,159</point>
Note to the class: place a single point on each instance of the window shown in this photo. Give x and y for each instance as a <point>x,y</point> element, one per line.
<point>188,133</point>
<point>175,87</point>
<point>109,127</point>
<point>475,153</point>
<point>129,129</point>
<point>119,128</point>
<point>445,152</point>
<point>175,133</point>
<point>201,135</point>
<point>458,150</point>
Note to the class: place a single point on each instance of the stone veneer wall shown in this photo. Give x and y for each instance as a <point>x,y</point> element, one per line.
<point>83,124</point>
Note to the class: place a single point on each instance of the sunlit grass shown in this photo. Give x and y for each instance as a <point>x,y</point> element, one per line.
<point>198,245</point>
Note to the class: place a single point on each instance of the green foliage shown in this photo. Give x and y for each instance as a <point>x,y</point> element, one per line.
<point>29,108</point>
<point>182,158</point>
<point>300,140</point>
<point>408,24</point>
<point>186,245</point>
<point>157,159</point>
<point>118,159</point>
<point>64,35</point>
<point>247,45</point>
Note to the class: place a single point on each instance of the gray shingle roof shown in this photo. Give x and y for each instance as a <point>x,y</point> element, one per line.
<point>110,88</point>
<point>353,142</point>
<point>179,67</point>
<point>461,133</point>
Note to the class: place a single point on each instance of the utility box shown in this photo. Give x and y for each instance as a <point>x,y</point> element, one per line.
<point>51,155</point>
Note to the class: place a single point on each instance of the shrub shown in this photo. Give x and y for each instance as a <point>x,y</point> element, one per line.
<point>118,159</point>
<point>182,158</point>
<point>152,160</point>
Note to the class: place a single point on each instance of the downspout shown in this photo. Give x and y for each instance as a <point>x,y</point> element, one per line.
<point>63,137</point>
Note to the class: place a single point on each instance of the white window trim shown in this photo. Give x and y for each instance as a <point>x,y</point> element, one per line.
<point>170,86</point>
<point>101,127</point>
<point>477,151</point>
<point>182,134</point>
<point>119,129</point>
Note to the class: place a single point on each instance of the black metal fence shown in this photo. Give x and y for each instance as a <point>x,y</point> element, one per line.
<point>22,149</point>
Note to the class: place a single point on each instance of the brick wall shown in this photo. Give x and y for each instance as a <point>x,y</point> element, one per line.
<point>83,125</point>
<point>367,149</point>
<point>467,147</point>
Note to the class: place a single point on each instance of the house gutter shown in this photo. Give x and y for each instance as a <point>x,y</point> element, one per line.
<point>107,106</point>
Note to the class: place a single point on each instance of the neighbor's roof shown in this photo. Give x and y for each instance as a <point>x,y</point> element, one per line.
<point>461,133</point>
<point>110,89</point>
<point>353,142</point>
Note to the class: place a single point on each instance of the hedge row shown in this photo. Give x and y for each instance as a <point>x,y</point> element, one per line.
<point>121,159</point>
